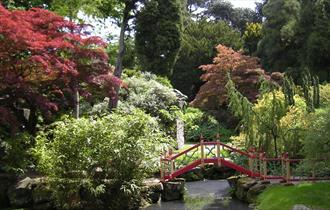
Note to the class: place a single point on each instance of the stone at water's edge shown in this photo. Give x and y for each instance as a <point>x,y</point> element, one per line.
<point>232,181</point>
<point>173,190</point>
<point>153,189</point>
<point>247,189</point>
<point>255,190</point>
<point>243,186</point>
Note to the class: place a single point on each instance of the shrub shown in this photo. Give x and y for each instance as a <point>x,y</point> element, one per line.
<point>244,70</point>
<point>147,93</point>
<point>14,155</point>
<point>156,99</point>
<point>317,142</point>
<point>199,123</point>
<point>270,125</point>
<point>82,153</point>
<point>325,95</point>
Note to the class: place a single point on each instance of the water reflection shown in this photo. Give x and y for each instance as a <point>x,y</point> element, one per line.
<point>204,195</point>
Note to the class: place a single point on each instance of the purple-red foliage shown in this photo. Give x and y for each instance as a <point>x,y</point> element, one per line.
<point>244,70</point>
<point>42,59</point>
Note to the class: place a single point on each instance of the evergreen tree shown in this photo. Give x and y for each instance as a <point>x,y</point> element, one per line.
<point>198,48</point>
<point>316,53</point>
<point>158,35</point>
<point>278,48</point>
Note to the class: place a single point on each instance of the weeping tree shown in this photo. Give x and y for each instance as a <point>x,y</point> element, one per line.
<point>260,122</point>
<point>158,35</point>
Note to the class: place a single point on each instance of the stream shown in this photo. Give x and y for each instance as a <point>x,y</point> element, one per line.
<point>204,195</point>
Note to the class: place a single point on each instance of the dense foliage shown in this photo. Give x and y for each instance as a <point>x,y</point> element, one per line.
<point>51,67</point>
<point>45,60</point>
<point>278,46</point>
<point>296,35</point>
<point>200,124</point>
<point>158,35</point>
<point>317,142</point>
<point>14,153</point>
<point>121,148</point>
<point>199,40</point>
<point>146,93</point>
<point>270,125</point>
<point>252,35</point>
<point>244,70</point>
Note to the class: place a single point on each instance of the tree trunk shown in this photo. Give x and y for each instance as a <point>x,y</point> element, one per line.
<point>275,144</point>
<point>76,104</point>
<point>113,102</point>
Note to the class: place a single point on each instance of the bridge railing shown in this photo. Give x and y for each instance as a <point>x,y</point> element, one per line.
<point>200,154</point>
<point>252,163</point>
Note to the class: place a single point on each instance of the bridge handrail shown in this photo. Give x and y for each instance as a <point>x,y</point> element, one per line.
<point>213,143</point>
<point>229,147</point>
<point>258,164</point>
<point>184,151</point>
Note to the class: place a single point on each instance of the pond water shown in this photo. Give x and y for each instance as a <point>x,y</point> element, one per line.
<point>204,195</point>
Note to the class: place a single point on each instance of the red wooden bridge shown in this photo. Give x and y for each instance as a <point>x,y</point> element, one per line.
<point>251,163</point>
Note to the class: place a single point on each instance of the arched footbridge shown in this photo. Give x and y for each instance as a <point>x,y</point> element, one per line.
<point>251,163</point>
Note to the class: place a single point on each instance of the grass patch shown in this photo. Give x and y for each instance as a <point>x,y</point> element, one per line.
<point>315,195</point>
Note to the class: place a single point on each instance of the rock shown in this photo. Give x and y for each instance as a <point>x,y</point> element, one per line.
<point>300,207</point>
<point>232,181</point>
<point>254,191</point>
<point>153,189</point>
<point>246,182</point>
<point>41,194</point>
<point>173,190</point>
<point>20,195</point>
<point>5,181</point>
<point>242,187</point>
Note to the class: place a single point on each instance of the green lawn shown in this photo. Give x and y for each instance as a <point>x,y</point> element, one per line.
<point>315,195</point>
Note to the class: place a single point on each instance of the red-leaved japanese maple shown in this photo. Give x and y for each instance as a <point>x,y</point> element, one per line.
<point>44,59</point>
<point>244,70</point>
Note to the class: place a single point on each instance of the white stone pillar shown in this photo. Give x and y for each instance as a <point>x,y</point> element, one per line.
<point>180,132</point>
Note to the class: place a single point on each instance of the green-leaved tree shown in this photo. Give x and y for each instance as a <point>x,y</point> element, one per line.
<point>158,35</point>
